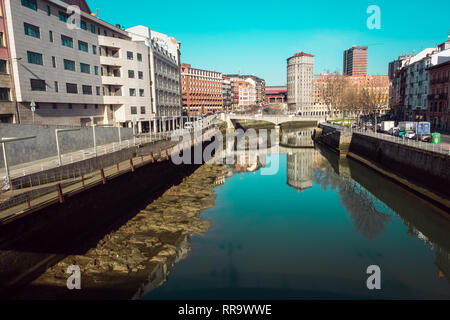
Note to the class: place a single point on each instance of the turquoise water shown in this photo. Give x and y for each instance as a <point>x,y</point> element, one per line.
<point>310,232</point>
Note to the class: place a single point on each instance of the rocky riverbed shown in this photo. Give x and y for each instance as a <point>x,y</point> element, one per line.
<point>138,256</point>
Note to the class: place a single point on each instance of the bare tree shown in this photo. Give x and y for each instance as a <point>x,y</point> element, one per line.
<point>331,90</point>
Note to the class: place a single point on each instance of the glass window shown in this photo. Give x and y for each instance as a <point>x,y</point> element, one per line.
<point>133,110</point>
<point>63,16</point>
<point>94,49</point>
<point>96,70</point>
<point>3,66</point>
<point>83,25</point>
<point>54,62</point>
<point>83,46</point>
<point>85,68</point>
<point>49,10</point>
<point>131,74</point>
<point>71,88</point>
<point>141,75</point>
<point>38,85</point>
<point>56,86</point>
<point>32,4</point>
<point>97,89</point>
<point>130,55</point>
<point>50,35</point>
<point>142,110</point>
<point>66,41</point>
<point>87,90</point>
<point>141,92</point>
<point>92,28</point>
<point>31,30</point>
<point>69,65</point>
<point>4,94</point>
<point>34,58</point>
<point>132,92</point>
<point>139,57</point>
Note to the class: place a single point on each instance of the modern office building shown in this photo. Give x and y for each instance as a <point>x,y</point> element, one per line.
<point>80,70</point>
<point>355,61</point>
<point>300,73</point>
<point>202,91</point>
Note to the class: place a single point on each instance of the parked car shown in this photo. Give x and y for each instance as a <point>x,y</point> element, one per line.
<point>410,135</point>
<point>188,125</point>
<point>393,131</point>
<point>426,138</point>
<point>400,133</point>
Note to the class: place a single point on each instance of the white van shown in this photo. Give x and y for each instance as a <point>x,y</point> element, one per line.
<point>188,125</point>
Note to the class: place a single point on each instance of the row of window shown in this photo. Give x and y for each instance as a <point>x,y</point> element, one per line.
<point>133,110</point>
<point>40,85</point>
<point>37,58</point>
<point>64,17</point>
<point>34,31</point>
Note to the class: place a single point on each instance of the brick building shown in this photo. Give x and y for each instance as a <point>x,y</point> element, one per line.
<point>202,91</point>
<point>438,101</point>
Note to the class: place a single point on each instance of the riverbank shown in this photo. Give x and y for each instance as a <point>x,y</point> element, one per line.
<point>137,256</point>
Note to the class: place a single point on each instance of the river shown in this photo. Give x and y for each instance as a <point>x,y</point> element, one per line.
<point>311,231</point>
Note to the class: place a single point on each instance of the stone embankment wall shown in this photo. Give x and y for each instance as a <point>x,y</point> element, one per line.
<point>424,168</point>
<point>337,141</point>
<point>44,145</point>
<point>429,169</point>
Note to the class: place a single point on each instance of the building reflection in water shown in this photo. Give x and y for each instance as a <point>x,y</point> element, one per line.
<point>369,207</point>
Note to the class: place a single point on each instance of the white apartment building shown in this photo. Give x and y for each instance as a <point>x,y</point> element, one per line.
<point>77,68</point>
<point>165,75</point>
<point>300,74</point>
<point>417,88</point>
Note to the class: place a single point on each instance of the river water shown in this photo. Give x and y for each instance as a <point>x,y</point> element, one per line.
<point>311,231</point>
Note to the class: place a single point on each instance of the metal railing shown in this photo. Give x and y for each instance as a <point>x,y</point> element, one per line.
<point>437,148</point>
<point>22,170</point>
<point>54,185</point>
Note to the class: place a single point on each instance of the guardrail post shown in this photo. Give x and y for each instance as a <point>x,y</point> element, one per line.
<point>82,180</point>
<point>29,201</point>
<point>102,174</point>
<point>131,165</point>
<point>60,193</point>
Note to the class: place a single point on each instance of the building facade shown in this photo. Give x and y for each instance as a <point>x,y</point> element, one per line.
<point>409,77</point>
<point>259,83</point>
<point>276,95</point>
<point>202,91</point>
<point>79,70</point>
<point>227,94</point>
<point>165,75</point>
<point>355,61</point>
<point>300,73</point>
<point>438,112</point>
<point>8,107</point>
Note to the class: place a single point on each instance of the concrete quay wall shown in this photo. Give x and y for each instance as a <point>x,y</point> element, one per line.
<point>44,145</point>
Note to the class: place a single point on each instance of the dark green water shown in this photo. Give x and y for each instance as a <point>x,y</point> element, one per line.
<point>310,232</point>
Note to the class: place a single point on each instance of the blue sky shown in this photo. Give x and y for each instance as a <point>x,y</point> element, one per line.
<point>256,37</point>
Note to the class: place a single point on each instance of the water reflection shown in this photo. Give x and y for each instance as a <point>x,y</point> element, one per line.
<point>289,244</point>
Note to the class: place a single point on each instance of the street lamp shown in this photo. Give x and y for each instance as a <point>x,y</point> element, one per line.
<point>4,141</point>
<point>57,131</point>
